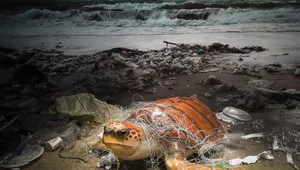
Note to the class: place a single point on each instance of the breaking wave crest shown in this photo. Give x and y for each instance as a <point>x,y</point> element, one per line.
<point>168,17</point>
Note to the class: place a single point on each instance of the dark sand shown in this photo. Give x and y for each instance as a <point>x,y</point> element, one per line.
<point>277,43</point>
<point>187,85</point>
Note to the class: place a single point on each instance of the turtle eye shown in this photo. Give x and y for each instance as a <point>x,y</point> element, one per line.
<point>123,132</point>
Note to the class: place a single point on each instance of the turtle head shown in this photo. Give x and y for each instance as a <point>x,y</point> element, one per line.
<point>124,139</point>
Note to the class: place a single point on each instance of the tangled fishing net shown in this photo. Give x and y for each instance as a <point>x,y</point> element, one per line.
<point>161,133</point>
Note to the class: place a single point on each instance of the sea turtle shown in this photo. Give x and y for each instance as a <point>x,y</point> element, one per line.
<point>173,129</point>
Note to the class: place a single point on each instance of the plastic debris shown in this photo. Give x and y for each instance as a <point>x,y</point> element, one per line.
<point>237,114</point>
<point>84,107</point>
<point>254,135</point>
<point>53,144</point>
<point>212,80</point>
<point>225,118</point>
<point>289,159</point>
<point>85,129</point>
<point>108,161</point>
<point>28,154</point>
<point>260,83</point>
<point>209,70</point>
<point>251,159</point>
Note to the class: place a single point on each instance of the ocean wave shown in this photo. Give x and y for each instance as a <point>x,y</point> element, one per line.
<point>250,5</point>
<point>115,18</point>
<point>211,15</point>
<point>43,14</point>
<point>236,16</point>
<point>128,6</point>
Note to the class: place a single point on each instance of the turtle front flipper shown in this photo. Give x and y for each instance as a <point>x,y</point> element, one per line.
<point>176,163</point>
<point>175,160</point>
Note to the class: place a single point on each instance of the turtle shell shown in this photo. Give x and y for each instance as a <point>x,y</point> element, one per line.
<point>184,118</point>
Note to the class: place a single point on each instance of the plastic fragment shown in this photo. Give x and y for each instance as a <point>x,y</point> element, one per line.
<point>251,159</point>
<point>289,159</point>
<point>254,135</point>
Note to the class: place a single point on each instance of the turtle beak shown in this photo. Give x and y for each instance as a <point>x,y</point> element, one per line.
<point>107,133</point>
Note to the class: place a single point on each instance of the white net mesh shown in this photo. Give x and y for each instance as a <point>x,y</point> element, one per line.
<point>161,133</point>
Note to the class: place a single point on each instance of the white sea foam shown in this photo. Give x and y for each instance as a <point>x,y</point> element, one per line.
<point>156,21</point>
<point>130,6</point>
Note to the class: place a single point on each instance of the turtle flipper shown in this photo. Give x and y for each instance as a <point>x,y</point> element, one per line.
<point>180,164</point>
<point>176,163</point>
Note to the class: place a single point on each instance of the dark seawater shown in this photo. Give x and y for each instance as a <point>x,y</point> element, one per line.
<point>131,17</point>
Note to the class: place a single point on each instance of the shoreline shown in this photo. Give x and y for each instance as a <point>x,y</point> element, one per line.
<point>275,43</point>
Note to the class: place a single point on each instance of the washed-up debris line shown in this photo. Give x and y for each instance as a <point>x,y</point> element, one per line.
<point>105,70</point>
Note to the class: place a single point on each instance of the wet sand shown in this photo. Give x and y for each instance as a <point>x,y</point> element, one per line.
<point>276,43</point>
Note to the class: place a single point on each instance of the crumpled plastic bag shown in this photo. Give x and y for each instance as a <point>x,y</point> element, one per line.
<point>84,107</point>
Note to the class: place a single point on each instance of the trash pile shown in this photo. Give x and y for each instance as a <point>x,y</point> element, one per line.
<point>30,130</point>
<point>37,73</point>
<point>117,69</point>
<point>281,116</point>
<point>219,87</point>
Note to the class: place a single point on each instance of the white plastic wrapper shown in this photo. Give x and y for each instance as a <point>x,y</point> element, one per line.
<point>289,159</point>
<point>254,135</point>
<point>251,159</point>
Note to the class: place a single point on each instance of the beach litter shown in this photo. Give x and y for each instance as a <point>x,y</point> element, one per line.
<point>154,65</point>
<point>210,80</point>
<point>108,161</point>
<point>289,159</point>
<point>251,159</point>
<point>24,157</point>
<point>84,107</point>
<point>237,114</point>
<point>254,135</point>
<point>224,118</point>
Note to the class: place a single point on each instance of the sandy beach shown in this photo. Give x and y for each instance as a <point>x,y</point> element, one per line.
<point>282,47</point>
<point>67,68</point>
